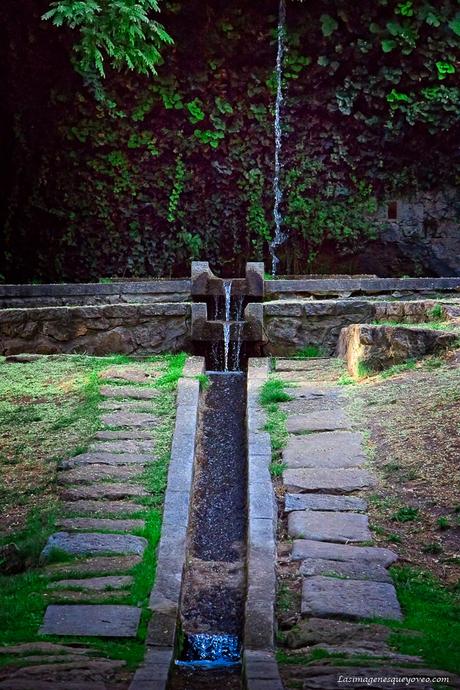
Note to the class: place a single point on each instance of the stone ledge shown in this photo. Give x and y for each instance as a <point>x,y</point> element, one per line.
<point>165,596</point>
<point>260,670</point>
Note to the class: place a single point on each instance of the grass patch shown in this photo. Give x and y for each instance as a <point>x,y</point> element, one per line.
<point>434,611</point>
<point>310,351</point>
<point>22,600</point>
<point>272,394</point>
<point>398,369</point>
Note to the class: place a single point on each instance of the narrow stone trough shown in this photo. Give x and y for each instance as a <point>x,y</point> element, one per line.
<point>212,605</point>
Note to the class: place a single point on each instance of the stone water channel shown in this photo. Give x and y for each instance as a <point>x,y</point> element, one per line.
<point>213,585</point>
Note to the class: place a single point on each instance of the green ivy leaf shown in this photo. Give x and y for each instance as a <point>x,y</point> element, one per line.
<point>388,45</point>
<point>454,24</point>
<point>328,25</point>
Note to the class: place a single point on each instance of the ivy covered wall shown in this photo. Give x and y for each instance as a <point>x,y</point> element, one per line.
<point>136,176</point>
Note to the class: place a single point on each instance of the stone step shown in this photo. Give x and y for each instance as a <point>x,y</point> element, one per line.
<point>129,419</point>
<point>101,565</point>
<point>317,677</point>
<point>94,473</point>
<point>126,406</point>
<point>321,420</point>
<point>326,480</point>
<point>323,502</point>
<point>26,648</point>
<point>102,490</point>
<point>95,584</point>
<point>122,508</point>
<point>105,459</point>
<point>354,570</point>
<point>123,446</point>
<point>132,374</point>
<point>72,524</point>
<point>133,434</point>
<point>303,549</point>
<point>350,599</point>
<point>328,526</point>
<point>136,392</point>
<point>72,596</point>
<point>316,631</point>
<point>309,364</point>
<point>334,449</point>
<point>93,543</point>
<point>103,620</point>
<point>24,684</point>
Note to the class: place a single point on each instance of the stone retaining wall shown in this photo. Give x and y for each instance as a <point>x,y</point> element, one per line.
<point>368,349</point>
<point>97,330</point>
<point>67,294</point>
<point>346,287</point>
<point>292,324</point>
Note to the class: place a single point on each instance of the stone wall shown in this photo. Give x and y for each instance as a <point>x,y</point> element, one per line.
<point>97,330</point>
<point>368,349</point>
<point>66,294</point>
<point>292,324</point>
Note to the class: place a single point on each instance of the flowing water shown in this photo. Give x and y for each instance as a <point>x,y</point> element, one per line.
<point>280,236</point>
<point>227,323</point>
<point>212,605</point>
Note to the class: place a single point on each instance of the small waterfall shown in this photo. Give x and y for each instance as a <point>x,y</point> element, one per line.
<point>279,237</point>
<point>239,327</point>
<point>227,323</point>
<point>211,650</point>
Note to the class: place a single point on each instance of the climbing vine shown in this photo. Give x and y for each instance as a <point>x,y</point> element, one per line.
<point>179,165</point>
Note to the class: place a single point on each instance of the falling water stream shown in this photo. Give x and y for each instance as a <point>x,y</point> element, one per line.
<point>280,236</point>
<point>227,323</point>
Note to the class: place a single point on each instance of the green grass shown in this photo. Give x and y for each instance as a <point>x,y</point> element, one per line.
<point>272,394</point>
<point>22,601</point>
<point>405,514</point>
<point>398,369</point>
<point>434,611</point>
<point>310,351</point>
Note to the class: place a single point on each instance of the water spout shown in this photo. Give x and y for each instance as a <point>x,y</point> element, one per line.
<point>227,324</point>
<point>279,237</point>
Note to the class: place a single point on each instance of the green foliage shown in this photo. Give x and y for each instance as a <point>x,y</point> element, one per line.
<point>405,514</point>
<point>178,188</point>
<point>310,351</point>
<point>434,611</point>
<point>273,392</point>
<point>360,125</point>
<point>118,31</point>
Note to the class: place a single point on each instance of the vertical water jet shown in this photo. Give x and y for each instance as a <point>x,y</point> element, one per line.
<point>279,237</point>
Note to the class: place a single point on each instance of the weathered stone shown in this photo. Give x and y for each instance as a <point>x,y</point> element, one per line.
<point>328,526</point>
<point>106,459</point>
<point>333,597</point>
<point>322,420</point>
<point>97,584</point>
<point>93,543</point>
<point>70,524</point>
<point>320,630</point>
<point>305,548</point>
<point>102,490</point>
<point>335,449</point>
<point>353,677</point>
<point>43,648</point>
<point>91,621</point>
<point>136,392</point>
<point>132,434</point>
<point>122,508</point>
<point>126,406</point>
<point>323,502</point>
<point>374,348</point>
<point>354,570</point>
<point>126,446</point>
<point>72,596</point>
<point>93,473</point>
<point>24,684</point>
<point>131,374</point>
<point>100,565</point>
<point>338,480</point>
<point>129,419</point>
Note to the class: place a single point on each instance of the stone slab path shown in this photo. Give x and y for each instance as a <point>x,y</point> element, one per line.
<point>100,490</point>
<point>343,578</point>
<point>325,468</point>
